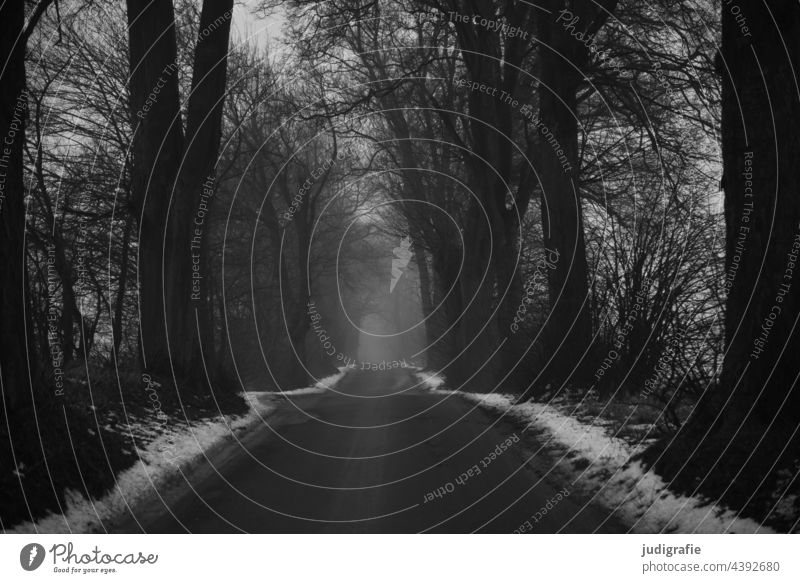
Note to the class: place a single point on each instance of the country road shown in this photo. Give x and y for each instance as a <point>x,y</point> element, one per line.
<point>375,454</point>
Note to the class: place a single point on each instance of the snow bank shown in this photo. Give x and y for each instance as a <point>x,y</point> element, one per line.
<point>639,497</point>
<point>321,386</point>
<point>161,463</point>
<point>171,450</point>
<point>429,380</point>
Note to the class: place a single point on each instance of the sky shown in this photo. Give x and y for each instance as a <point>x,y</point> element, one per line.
<point>248,25</point>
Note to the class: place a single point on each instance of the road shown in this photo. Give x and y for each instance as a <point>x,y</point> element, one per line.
<point>368,457</point>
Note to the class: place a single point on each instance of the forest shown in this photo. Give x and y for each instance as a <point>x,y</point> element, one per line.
<point>592,203</point>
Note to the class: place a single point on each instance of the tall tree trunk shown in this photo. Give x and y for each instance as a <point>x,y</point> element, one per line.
<point>742,438</point>
<point>448,301</point>
<point>191,328</point>
<point>567,333</point>
<point>493,60</point>
<point>760,129</point>
<point>69,307</point>
<point>296,300</point>
<point>508,275</point>
<point>157,154</point>
<point>171,181</point>
<point>122,285</point>
<point>475,364</point>
<point>223,358</point>
<point>15,357</point>
<point>426,298</point>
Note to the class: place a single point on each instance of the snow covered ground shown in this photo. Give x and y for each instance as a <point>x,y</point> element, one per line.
<point>588,459</point>
<point>600,466</point>
<point>173,447</point>
<point>321,386</point>
<point>429,380</point>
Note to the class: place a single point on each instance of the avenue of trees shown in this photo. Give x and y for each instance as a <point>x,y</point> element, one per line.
<point>601,198</point>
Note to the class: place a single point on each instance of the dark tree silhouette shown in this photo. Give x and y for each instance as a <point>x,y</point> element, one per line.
<point>563,59</point>
<point>173,173</point>
<point>16,360</point>
<point>760,128</point>
<point>748,425</point>
<point>157,151</point>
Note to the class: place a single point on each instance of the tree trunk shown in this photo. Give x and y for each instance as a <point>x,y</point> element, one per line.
<point>494,60</point>
<point>742,439</point>
<point>171,182</point>
<point>508,275</point>
<point>191,328</point>
<point>157,154</point>
<point>15,357</point>
<point>223,357</point>
<point>567,333</point>
<point>761,124</point>
<point>295,301</point>
<point>69,307</point>
<point>426,300</point>
<point>475,364</point>
<point>122,284</point>
<point>448,302</point>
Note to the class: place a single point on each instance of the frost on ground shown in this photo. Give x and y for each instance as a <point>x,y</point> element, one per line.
<point>601,467</point>
<point>429,380</point>
<point>171,448</point>
<point>321,385</point>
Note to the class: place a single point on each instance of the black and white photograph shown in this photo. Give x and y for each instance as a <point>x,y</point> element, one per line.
<point>359,267</point>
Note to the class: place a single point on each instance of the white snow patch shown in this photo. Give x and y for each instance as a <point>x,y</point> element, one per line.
<point>161,462</point>
<point>639,497</point>
<point>430,380</point>
<point>321,385</point>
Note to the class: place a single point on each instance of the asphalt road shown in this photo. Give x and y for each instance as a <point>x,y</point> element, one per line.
<point>369,457</point>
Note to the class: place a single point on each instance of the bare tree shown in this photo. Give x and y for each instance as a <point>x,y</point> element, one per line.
<point>173,174</point>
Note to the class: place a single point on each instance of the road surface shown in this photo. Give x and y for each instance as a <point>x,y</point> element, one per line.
<point>374,455</point>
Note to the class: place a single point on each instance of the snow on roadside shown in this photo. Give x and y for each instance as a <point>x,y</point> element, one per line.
<point>172,449</point>
<point>639,497</point>
<point>321,386</point>
<point>161,463</point>
<point>429,380</point>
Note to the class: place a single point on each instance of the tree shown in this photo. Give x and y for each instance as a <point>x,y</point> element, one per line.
<point>157,150</point>
<point>746,426</point>
<point>173,174</point>
<point>14,355</point>
<point>563,61</point>
<point>760,125</point>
